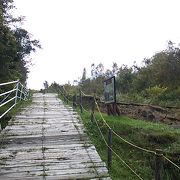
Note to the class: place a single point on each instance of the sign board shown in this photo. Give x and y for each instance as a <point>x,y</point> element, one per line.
<point>109,90</point>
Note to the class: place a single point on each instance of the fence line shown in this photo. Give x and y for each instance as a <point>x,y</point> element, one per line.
<point>64,96</point>
<point>146,150</point>
<point>107,143</point>
<point>114,151</point>
<point>171,162</point>
<point>143,149</point>
<point>133,145</point>
<point>18,92</point>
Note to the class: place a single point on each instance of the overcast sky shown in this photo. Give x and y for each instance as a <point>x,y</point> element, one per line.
<point>76,33</point>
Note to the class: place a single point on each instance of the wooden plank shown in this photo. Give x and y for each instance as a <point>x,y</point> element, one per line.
<point>48,141</point>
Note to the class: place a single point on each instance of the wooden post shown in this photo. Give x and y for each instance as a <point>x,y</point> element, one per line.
<point>158,165</point>
<point>108,109</point>
<point>80,101</point>
<point>117,110</point>
<point>114,108</point>
<point>92,109</point>
<point>67,99</point>
<point>109,148</point>
<point>64,97</point>
<point>74,101</point>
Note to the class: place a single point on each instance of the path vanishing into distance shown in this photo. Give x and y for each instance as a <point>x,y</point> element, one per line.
<point>47,140</point>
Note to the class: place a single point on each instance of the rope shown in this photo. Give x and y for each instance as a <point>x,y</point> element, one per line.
<point>84,109</point>
<point>114,151</point>
<point>72,102</point>
<point>131,144</point>
<point>143,149</point>
<point>171,162</point>
<point>64,90</point>
<point>65,97</point>
<point>86,94</point>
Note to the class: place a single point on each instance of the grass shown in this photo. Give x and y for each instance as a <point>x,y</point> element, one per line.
<point>144,134</point>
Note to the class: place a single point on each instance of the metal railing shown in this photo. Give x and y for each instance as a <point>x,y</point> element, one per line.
<point>14,92</point>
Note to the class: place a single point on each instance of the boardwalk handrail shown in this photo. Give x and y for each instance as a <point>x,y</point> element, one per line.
<point>16,93</point>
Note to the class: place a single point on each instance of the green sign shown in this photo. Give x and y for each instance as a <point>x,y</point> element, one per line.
<point>109,90</point>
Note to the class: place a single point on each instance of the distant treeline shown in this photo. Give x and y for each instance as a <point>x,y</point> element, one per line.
<point>156,81</point>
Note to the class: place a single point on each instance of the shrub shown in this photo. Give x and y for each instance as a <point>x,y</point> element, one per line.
<point>156,91</point>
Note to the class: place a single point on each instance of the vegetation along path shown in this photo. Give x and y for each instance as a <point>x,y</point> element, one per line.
<point>47,141</point>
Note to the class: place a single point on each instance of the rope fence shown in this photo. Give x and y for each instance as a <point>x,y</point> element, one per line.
<point>143,149</point>
<point>154,152</point>
<point>114,151</point>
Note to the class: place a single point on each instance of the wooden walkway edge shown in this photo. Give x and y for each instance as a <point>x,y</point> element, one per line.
<point>47,141</point>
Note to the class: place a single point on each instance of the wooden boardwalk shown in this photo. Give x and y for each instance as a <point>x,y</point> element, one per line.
<point>47,141</point>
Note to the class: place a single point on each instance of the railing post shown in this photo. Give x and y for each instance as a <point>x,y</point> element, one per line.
<point>67,99</point>
<point>109,148</point>
<point>80,99</point>
<point>64,97</point>
<point>26,96</point>
<point>21,91</point>
<point>158,165</point>
<point>74,101</point>
<point>17,89</point>
<point>92,108</point>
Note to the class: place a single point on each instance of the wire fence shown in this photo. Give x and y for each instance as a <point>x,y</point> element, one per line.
<point>153,152</point>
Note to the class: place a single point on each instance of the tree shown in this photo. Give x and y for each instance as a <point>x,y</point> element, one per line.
<point>166,67</point>
<point>124,80</point>
<point>46,85</point>
<point>83,75</point>
<point>97,71</point>
<point>16,45</point>
<point>114,69</point>
<point>108,73</point>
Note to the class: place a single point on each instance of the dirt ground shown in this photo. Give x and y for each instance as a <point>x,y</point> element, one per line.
<point>168,115</point>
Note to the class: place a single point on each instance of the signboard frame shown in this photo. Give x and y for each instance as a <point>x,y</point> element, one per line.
<point>110,90</point>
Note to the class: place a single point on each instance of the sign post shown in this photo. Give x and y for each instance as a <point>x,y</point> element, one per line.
<point>110,96</point>
<point>110,90</point>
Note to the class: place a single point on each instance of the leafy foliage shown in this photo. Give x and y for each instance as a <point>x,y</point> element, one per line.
<point>157,81</point>
<point>16,44</point>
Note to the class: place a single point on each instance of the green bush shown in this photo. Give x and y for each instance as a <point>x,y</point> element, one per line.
<point>173,94</point>
<point>155,92</point>
<point>131,97</point>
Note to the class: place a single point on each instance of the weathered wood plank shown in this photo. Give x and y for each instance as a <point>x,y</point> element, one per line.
<point>47,141</point>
